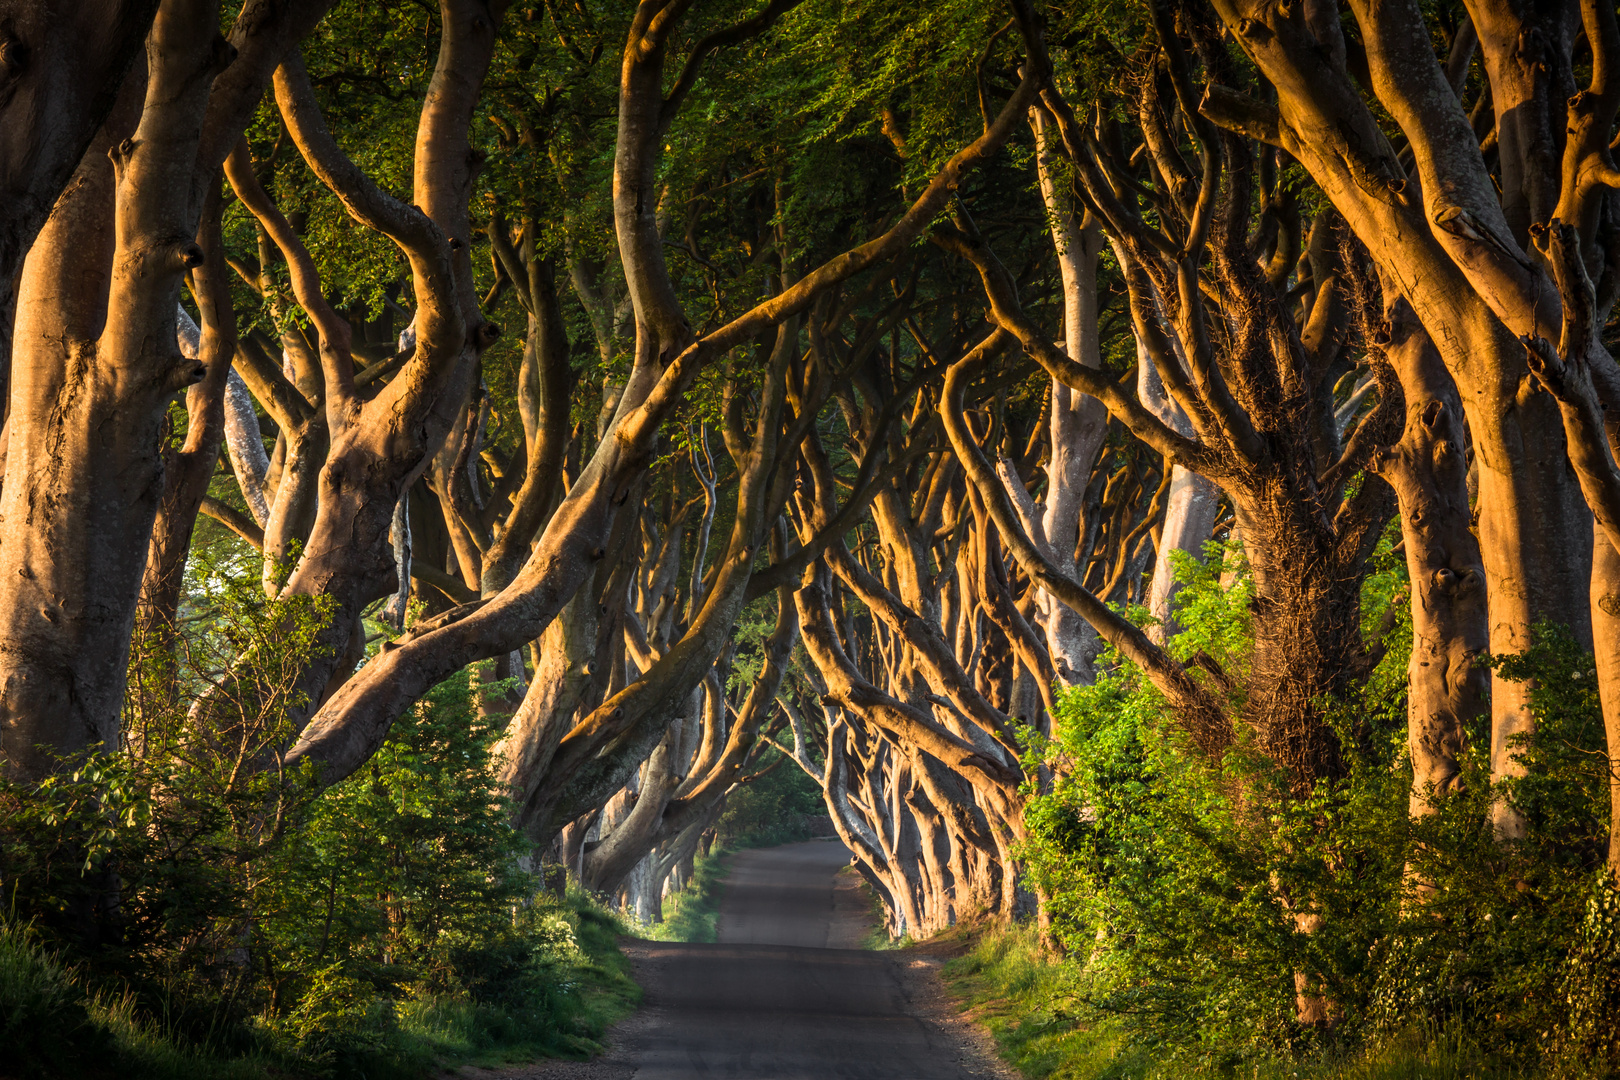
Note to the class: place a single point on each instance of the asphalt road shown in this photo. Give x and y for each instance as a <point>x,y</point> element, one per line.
<point>786,995</point>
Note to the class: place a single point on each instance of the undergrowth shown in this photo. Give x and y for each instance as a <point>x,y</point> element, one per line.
<point>173,908</point>
<point>693,913</point>
<point>58,1021</point>
<point>1035,1008</point>
<point>1220,914</point>
<point>55,1021</point>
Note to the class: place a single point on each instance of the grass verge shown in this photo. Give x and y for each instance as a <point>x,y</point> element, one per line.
<point>564,1012</point>
<point>693,914</point>
<point>54,1023</point>
<point>1031,1005</point>
<point>878,938</point>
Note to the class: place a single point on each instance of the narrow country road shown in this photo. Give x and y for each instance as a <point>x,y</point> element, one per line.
<point>786,993</point>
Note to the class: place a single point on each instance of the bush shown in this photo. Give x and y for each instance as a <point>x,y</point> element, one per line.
<point>1177,886</point>
<point>200,914</point>
<point>1037,1011</point>
<point>401,869</point>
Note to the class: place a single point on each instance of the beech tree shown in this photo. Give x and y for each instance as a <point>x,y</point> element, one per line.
<point>731,386</point>
<point>96,325</point>
<point>1244,387</point>
<point>64,75</point>
<point>667,359</point>
<point>1466,209</point>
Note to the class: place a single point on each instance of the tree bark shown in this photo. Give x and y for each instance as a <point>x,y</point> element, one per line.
<point>1447,682</point>
<point>1079,422</point>
<point>1441,236</point>
<point>98,364</point>
<point>1189,512</point>
<point>62,70</point>
<point>187,469</point>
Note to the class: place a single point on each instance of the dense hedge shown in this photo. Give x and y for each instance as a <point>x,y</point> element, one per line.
<point>1199,902</point>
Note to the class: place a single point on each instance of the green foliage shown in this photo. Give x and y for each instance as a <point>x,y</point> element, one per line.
<point>771,809</point>
<point>143,856</point>
<point>1590,988</point>
<point>1199,902</point>
<point>573,983</point>
<point>547,983</point>
<point>878,938</point>
<point>408,860</point>
<point>52,1026</point>
<point>1036,1007</point>
<point>1029,1004</point>
<point>693,913</point>
<point>191,910</point>
<point>43,1020</point>
<point>750,637</point>
<point>1501,922</point>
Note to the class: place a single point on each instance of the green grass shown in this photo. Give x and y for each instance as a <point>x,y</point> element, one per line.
<point>693,914</point>
<point>1029,1003</point>
<point>53,1023</point>
<point>565,1018</point>
<point>53,1026</point>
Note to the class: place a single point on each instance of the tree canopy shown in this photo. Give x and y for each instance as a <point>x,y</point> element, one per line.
<point>1147,464</point>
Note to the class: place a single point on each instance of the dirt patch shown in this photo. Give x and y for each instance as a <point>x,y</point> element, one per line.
<point>931,1000</point>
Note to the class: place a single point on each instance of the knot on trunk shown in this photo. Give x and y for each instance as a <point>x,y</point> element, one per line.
<point>13,57</point>
<point>1452,583</point>
<point>188,372</point>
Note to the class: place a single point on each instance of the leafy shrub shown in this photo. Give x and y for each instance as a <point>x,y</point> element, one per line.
<point>192,905</point>
<point>1177,886</point>
<point>403,865</point>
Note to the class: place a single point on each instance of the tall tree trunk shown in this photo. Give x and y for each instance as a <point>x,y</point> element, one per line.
<point>1605,601</point>
<point>1535,540</point>
<point>1189,512</point>
<point>63,69</point>
<point>1447,683</point>
<point>1189,520</point>
<point>1439,232</point>
<point>97,365</point>
<point>188,468</point>
<point>1078,422</point>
